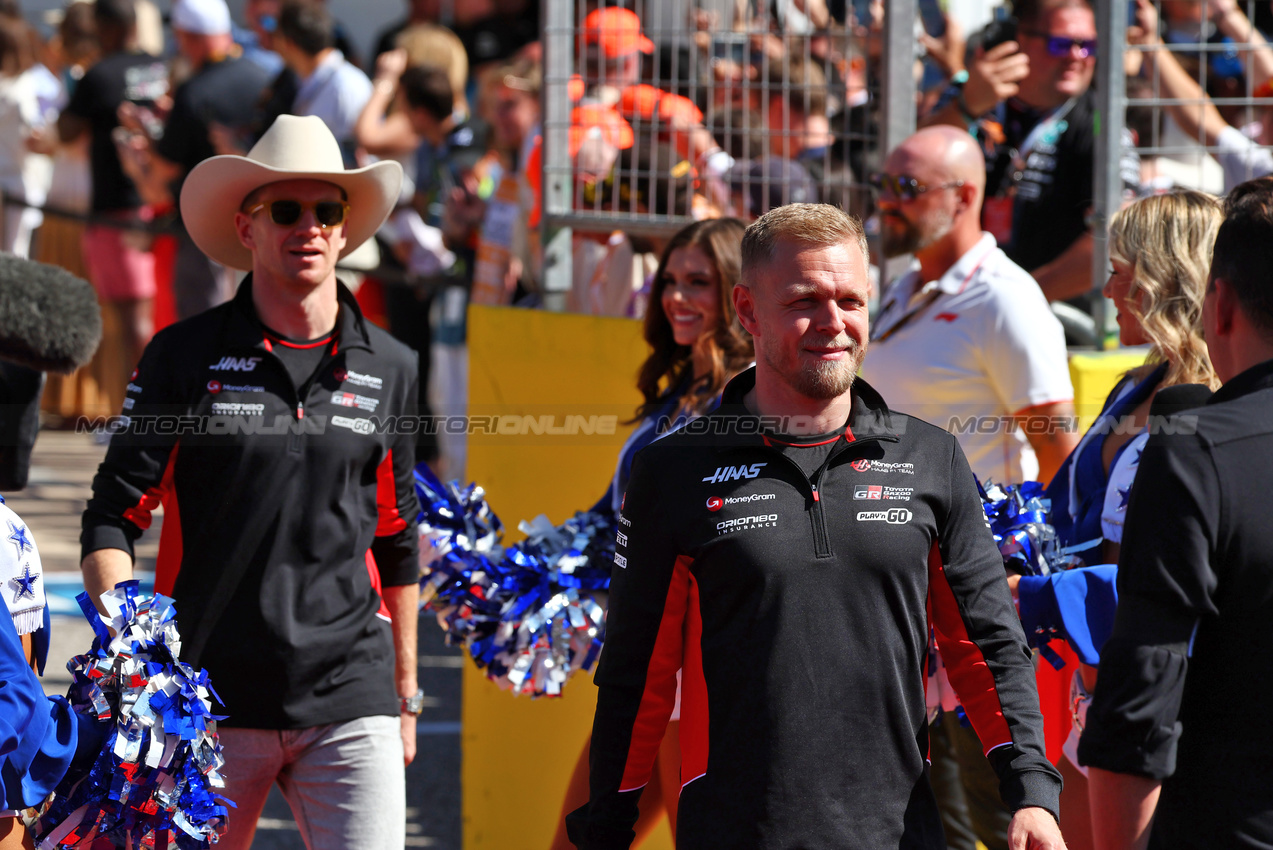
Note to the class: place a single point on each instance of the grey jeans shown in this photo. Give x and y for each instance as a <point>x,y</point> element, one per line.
<point>345,783</point>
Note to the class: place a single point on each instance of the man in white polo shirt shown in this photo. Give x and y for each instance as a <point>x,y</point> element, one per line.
<point>966,341</point>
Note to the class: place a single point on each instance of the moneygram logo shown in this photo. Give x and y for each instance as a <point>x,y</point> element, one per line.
<point>863,464</point>
<point>715,503</point>
<point>895,516</point>
<point>754,497</point>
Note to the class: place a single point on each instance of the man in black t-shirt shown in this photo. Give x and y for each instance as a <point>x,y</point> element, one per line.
<point>1031,102</point>
<point>119,263</point>
<point>223,90</point>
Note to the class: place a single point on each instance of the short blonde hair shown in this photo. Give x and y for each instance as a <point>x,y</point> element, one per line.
<point>1167,240</point>
<point>435,46</point>
<point>814,225</point>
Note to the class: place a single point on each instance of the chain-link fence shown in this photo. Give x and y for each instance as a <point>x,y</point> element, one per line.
<point>658,113</point>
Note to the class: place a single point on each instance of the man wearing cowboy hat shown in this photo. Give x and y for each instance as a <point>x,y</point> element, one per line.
<point>272,430</point>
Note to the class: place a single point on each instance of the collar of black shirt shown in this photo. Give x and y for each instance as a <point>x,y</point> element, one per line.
<point>1258,377</point>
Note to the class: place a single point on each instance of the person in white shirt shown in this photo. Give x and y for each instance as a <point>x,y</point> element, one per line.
<point>330,87</point>
<point>965,340</point>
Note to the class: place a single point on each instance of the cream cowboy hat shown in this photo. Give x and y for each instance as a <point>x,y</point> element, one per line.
<point>294,148</point>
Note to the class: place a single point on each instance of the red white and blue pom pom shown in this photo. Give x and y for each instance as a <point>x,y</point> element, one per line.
<point>530,615</point>
<point>161,760</point>
<point>1018,518</point>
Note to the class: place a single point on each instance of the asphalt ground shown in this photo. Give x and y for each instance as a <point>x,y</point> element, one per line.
<point>62,472</point>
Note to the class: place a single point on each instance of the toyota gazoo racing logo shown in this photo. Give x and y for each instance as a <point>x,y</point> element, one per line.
<point>893,516</point>
<point>715,503</point>
<point>743,523</point>
<point>877,492</point>
<point>733,473</point>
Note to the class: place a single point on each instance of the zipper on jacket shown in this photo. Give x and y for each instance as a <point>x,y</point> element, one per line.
<point>821,539</point>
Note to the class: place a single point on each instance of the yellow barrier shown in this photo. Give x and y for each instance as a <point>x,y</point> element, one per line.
<point>525,365</point>
<point>1094,374</point>
<point>537,376</point>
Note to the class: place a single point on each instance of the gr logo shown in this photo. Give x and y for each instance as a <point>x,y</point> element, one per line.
<point>894,516</point>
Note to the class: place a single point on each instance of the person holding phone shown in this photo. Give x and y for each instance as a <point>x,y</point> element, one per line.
<point>1030,100</point>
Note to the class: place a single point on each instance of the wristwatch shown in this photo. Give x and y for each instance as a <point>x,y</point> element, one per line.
<point>413,704</point>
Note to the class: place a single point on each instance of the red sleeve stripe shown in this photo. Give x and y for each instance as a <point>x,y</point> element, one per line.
<point>660,683</point>
<point>390,521</point>
<point>965,665</point>
<point>171,546</point>
<point>694,715</point>
<point>140,513</point>
<point>373,572</point>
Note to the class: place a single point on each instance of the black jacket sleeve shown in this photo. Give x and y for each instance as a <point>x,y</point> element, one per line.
<point>636,676</point>
<point>984,648</point>
<point>1165,586</point>
<point>130,483</point>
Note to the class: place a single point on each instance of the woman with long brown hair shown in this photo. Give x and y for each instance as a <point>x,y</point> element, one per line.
<point>696,346</point>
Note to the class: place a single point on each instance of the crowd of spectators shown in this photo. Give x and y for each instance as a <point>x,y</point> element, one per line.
<point>730,112</point>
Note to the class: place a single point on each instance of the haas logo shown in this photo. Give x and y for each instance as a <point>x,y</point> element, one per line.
<point>733,473</point>
<point>861,464</point>
<point>236,364</point>
<point>715,503</point>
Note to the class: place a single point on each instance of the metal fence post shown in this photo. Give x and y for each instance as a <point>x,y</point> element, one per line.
<point>1111,108</point>
<point>559,30</point>
<point>898,90</point>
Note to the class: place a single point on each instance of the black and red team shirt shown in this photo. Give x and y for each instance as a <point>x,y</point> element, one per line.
<point>798,606</point>
<point>218,431</point>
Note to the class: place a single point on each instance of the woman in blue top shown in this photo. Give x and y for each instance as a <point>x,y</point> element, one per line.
<point>1160,250</point>
<point>696,346</point>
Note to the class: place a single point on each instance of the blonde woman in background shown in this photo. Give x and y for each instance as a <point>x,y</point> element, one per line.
<point>1160,253</point>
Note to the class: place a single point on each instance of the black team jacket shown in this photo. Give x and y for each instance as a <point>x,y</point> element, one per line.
<point>799,612</point>
<point>297,483</point>
<point>1185,690</point>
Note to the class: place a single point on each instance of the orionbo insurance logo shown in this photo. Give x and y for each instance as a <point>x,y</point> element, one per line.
<point>895,516</point>
<point>743,523</point>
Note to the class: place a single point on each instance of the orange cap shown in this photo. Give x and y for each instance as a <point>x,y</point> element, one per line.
<point>596,121</point>
<point>617,31</point>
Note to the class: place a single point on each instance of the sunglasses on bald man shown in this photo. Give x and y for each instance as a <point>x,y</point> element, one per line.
<point>286,213</point>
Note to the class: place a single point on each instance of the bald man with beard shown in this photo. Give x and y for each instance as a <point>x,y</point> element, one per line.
<point>965,340</point>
